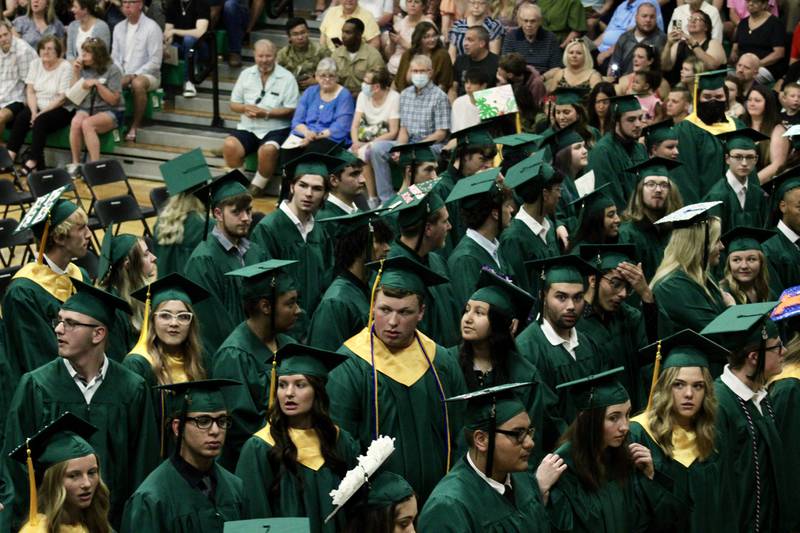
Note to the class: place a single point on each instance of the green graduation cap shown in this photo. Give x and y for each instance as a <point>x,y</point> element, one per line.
<point>49,208</point>
<point>477,189</point>
<point>313,163</point>
<point>185,172</point>
<point>226,186</point>
<point>171,287</point>
<point>294,358</point>
<point>203,396</point>
<point>416,203</point>
<point>529,176</point>
<point>477,135</point>
<point>659,132</point>
<point>686,348</point>
<point>742,139</point>
<point>266,525</point>
<point>523,143</point>
<point>741,326</point>
<point>782,183</point>
<point>342,225</point>
<point>264,279</point>
<point>597,390</point>
<point>404,273</point>
<point>562,269</point>
<point>560,139</point>
<point>346,158</point>
<point>570,95</point>
<point>711,80</point>
<point>594,201</point>
<point>387,488</point>
<point>624,103</point>
<point>689,215</point>
<point>414,153</point>
<point>94,302</point>
<point>746,238</point>
<point>113,249</point>
<point>655,166</point>
<point>503,295</point>
<point>606,257</point>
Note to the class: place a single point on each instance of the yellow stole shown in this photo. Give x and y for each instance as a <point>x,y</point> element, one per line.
<point>789,371</point>
<point>306,442</point>
<point>406,366</point>
<point>41,527</point>
<point>684,443</point>
<point>57,285</point>
<point>174,366</point>
<point>713,129</point>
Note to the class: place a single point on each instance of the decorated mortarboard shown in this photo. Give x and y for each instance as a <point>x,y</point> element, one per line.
<point>594,201</point>
<point>659,132</point>
<point>560,139</point>
<point>597,390</point>
<point>746,238</point>
<point>503,295</point>
<point>47,212</point>
<point>788,304</point>
<point>312,163</point>
<point>295,524</point>
<point>563,269</point>
<point>743,325</point>
<point>784,182</point>
<point>741,139</point>
<point>185,172</point>
<point>267,278</point>
<point>234,183</point>
<point>294,358</point>
<point>113,249</point>
<point>414,204</point>
<point>624,103</point>
<point>94,302</point>
<point>404,273</point>
<point>711,80</point>
<point>477,189</point>
<point>476,135</point>
<point>345,224</point>
<point>655,166</point>
<point>606,257</point>
<point>203,396</point>
<point>171,287</point>
<point>689,215</point>
<point>414,152</point>
<point>570,95</point>
<point>388,488</point>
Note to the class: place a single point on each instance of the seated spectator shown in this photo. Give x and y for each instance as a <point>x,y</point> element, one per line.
<point>138,51</point>
<point>47,83</point>
<point>746,71</point>
<point>790,100</point>
<point>645,57</point>
<point>381,10</point>
<point>763,35</point>
<point>528,87</point>
<point>464,112</point>
<point>734,85</point>
<point>695,41</point>
<point>681,14</point>
<point>301,55</point>
<point>761,114</point>
<point>476,55</point>
<point>644,31</point>
<point>477,15</point>
<point>376,121</point>
<point>505,11</point>
<point>16,57</point>
<point>325,110</point>
<point>425,41</point>
<point>355,57</point>
<point>38,21</point>
<point>737,10</point>
<point>185,24</point>
<point>85,25</point>
<point>331,28</point>
<point>234,19</point>
<point>103,79</point>
<point>400,36</point>
<point>690,68</point>
<point>14,9</point>
<point>643,86</point>
<point>578,70</point>
<point>678,104</point>
<point>111,12</point>
<point>597,11</point>
<point>623,19</point>
<point>565,18</point>
<point>598,107</point>
<point>265,95</point>
<point>538,46</point>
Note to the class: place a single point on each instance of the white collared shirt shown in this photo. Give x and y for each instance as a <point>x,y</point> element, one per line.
<point>486,244</point>
<point>738,187</point>
<point>500,488</point>
<point>88,389</point>
<point>788,232</point>
<point>741,390</point>
<point>540,230</point>
<point>54,267</point>
<point>556,340</point>
<point>348,209</point>
<point>304,229</point>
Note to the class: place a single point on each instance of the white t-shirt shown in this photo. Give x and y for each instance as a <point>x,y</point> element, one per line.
<point>377,7</point>
<point>81,37</point>
<point>130,42</point>
<point>464,114</point>
<point>390,109</point>
<point>49,84</point>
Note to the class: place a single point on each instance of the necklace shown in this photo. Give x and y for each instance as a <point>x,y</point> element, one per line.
<point>185,6</point>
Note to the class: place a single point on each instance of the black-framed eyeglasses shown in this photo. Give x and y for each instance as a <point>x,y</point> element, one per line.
<point>205,421</point>
<point>260,96</point>
<point>517,435</point>
<point>778,347</point>
<point>70,324</point>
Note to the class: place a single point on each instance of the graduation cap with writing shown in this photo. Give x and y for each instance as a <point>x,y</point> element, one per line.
<point>746,238</point>
<point>659,132</point>
<point>416,203</point>
<point>741,139</point>
<point>524,144</point>
<point>406,274</point>
<point>689,216</point>
<point>63,439</point>
<point>606,257</point>
<point>594,201</point>
<point>294,524</point>
<point>476,135</point>
<point>185,172</point>
<point>489,408</point>
<point>560,269</point>
<point>501,293</point>
<point>48,211</point>
<point>597,390</point>
<point>624,104</point>
<point>655,166</point>
<point>113,249</point>
<point>788,304</point>
<point>570,95</point>
<point>478,189</point>
<point>96,303</point>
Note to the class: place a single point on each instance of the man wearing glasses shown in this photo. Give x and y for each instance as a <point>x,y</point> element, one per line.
<point>190,492</point>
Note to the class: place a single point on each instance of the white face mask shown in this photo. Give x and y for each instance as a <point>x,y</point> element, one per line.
<point>366,88</point>
<point>420,80</point>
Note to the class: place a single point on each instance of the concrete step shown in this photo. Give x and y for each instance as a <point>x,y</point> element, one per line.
<point>202,102</point>
<point>194,118</point>
<point>182,137</point>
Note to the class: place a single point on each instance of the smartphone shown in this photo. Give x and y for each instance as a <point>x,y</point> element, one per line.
<point>677,24</point>
<point>336,41</point>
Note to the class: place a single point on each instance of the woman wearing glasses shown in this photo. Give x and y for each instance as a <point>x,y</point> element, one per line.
<point>325,110</point>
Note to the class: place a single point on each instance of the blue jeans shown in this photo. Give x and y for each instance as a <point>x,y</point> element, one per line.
<point>185,44</point>
<point>379,159</point>
<point>235,18</point>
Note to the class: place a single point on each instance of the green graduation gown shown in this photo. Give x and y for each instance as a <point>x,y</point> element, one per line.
<point>464,265</point>
<point>126,441</point>
<point>735,443</point>
<point>342,312</point>
<point>609,159</point>
<point>173,257</point>
<point>305,492</point>
<point>756,207</point>
<point>413,413</point>
<point>518,244</point>
<point>784,258</point>
<point>682,304</point>
<point>447,182</point>
<point>314,269</point>
<point>328,210</point>
<point>649,240</point>
<point>167,502</point>
<point>566,214</point>
<point>121,335</point>
<point>246,359</point>
<point>784,393</point>
<point>463,502</point>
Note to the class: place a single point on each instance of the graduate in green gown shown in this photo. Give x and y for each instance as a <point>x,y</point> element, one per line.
<point>618,150</point>
<point>598,219</point>
<point>346,182</point>
<point>182,221</point>
<point>290,465</point>
<point>748,437</point>
<point>486,209</point>
<point>552,343</point>
<point>489,490</point>
<point>291,233</point>
<point>225,248</point>
<point>344,308</point>
<point>385,502</point>
<point>678,429</point>
<point>37,290</point>
<point>270,299</point>
<point>190,492</point>
<point>610,485</point>
<point>82,380</point>
<point>661,140</point>
<point>747,273</point>
<point>411,164</point>
<point>395,378</point>
<point>570,157</point>
<point>783,250</point>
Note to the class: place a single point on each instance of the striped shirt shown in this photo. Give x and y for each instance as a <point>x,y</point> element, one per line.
<point>13,71</point>
<point>543,52</point>
<point>459,30</point>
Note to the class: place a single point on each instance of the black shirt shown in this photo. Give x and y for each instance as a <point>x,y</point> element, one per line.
<point>184,14</point>
<point>489,65</point>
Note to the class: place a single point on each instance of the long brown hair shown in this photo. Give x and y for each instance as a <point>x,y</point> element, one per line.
<point>101,59</point>
<point>635,212</point>
<point>190,350</point>
<point>127,278</point>
<point>53,496</point>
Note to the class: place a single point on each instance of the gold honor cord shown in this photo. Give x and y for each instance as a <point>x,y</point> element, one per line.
<point>656,370</point>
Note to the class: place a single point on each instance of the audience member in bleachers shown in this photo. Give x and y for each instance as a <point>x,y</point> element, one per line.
<point>644,31</point>
<point>565,18</point>
<point>578,70</point>
<point>747,71</point>
<point>265,95</point>
<point>763,35</point>
<point>331,28</point>
<point>737,11</point>
<point>477,15</point>
<point>682,14</point>
<point>137,50</point>
<point>761,114</point>
<point>16,57</point>
<point>400,36</point>
<point>643,58</point>
<point>381,10</point>
<point>325,110</point>
<point>425,40</point>
<point>301,55</point>
<point>794,54</point>
<point>690,68</point>
<point>623,19</point>
<point>40,20</point>
<point>111,12</point>
<point>527,84</point>
<point>464,112</point>
<point>86,24</point>
<point>424,109</point>
<point>734,85</point>
<point>355,57</point>
<point>14,8</point>
<point>234,19</point>
<point>476,55</point>
<point>102,108</point>
<point>538,46</point>
<point>47,83</point>
<point>185,24</point>
<point>599,105</point>
<point>695,41</point>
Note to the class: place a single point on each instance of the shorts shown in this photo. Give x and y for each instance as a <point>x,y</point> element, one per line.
<point>153,82</point>
<point>15,108</point>
<point>117,117</point>
<point>252,143</point>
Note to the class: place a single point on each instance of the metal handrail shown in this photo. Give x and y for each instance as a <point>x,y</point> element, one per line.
<point>209,39</point>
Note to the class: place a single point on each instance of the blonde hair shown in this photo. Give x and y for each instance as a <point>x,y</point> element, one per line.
<point>588,62</point>
<point>685,252</point>
<point>171,219</point>
<point>125,279</point>
<point>49,12</point>
<point>662,420</point>
<point>502,8</point>
<point>760,283</point>
<point>53,496</point>
<point>63,229</point>
<point>191,351</point>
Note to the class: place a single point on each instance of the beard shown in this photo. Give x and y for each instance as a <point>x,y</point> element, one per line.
<point>711,112</point>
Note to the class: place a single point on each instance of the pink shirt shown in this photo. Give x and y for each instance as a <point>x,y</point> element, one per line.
<point>740,6</point>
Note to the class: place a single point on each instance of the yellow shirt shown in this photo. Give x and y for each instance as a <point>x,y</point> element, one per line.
<point>335,18</point>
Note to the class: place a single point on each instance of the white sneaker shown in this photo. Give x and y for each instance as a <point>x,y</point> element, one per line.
<point>189,91</point>
<point>72,169</point>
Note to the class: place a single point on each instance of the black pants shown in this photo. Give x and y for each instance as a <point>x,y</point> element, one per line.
<point>46,123</point>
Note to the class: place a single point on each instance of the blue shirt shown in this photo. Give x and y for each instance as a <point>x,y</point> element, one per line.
<point>318,115</point>
<point>623,19</point>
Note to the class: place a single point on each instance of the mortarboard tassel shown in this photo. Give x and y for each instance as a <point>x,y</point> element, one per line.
<point>33,509</point>
<point>273,374</point>
<point>656,371</point>
<point>492,438</point>
<point>762,354</point>
<point>43,242</point>
<point>141,348</point>
<point>370,320</point>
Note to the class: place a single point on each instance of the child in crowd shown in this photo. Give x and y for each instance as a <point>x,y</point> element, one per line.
<point>790,99</point>
<point>643,86</point>
<point>735,108</point>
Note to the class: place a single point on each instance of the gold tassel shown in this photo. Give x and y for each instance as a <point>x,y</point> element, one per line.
<point>370,318</point>
<point>656,371</point>
<point>273,378</point>
<point>33,510</point>
<point>43,242</point>
<point>141,344</point>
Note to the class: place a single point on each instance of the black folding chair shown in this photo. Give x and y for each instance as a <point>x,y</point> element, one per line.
<point>7,165</point>
<point>6,275</point>
<point>159,198</point>
<point>105,172</point>
<point>11,197</point>
<point>9,241</point>
<point>89,263</point>
<point>120,209</point>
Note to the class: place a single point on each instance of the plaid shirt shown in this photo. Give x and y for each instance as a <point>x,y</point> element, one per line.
<point>424,112</point>
<point>13,71</point>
